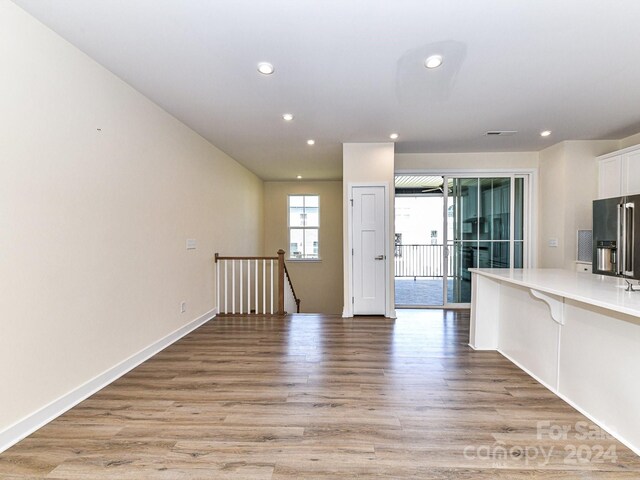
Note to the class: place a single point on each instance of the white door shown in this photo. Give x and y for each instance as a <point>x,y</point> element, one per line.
<point>369,251</point>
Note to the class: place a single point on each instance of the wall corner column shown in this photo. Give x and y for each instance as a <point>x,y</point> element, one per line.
<point>363,163</point>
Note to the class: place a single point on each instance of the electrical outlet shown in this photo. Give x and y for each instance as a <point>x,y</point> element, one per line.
<point>183,307</point>
<point>192,244</point>
<point>553,242</point>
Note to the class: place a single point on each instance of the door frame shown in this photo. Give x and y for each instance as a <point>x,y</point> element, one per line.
<point>388,227</point>
<point>530,206</point>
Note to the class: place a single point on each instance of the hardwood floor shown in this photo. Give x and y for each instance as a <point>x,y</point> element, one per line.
<point>317,397</point>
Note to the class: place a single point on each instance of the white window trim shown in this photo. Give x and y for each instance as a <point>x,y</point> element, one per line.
<point>289,227</point>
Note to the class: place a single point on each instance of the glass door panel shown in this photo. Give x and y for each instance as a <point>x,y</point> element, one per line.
<point>459,280</point>
<point>465,200</point>
<point>486,209</point>
<point>494,255</point>
<point>465,194</point>
<point>518,254</point>
<point>480,211</point>
<point>519,208</point>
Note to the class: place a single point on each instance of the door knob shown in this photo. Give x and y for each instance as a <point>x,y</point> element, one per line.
<point>379,257</point>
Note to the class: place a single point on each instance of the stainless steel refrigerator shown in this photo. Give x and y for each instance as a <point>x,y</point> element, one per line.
<point>616,237</point>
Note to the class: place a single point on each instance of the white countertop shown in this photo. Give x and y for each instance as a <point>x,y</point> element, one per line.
<point>599,290</point>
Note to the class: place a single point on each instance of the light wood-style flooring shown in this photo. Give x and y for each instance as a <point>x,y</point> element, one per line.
<point>319,397</point>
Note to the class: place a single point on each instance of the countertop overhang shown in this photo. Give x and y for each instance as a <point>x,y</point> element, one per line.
<point>598,290</point>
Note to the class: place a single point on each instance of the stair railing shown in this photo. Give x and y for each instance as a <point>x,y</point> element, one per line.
<point>248,283</point>
<point>292,293</point>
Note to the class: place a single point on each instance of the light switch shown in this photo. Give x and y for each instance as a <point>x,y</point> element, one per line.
<point>553,242</point>
<point>191,244</point>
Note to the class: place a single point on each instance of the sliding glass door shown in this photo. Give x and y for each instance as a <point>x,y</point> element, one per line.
<point>485,226</point>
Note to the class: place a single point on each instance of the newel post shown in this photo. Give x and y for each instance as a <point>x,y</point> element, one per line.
<point>280,282</point>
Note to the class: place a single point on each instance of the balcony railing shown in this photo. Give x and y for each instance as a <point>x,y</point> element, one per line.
<point>422,260</point>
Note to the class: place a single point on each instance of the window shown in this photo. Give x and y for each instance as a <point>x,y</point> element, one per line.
<point>304,224</point>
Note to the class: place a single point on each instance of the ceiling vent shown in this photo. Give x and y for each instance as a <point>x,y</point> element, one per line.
<point>501,133</point>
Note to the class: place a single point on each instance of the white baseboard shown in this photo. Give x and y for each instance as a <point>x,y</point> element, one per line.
<point>530,373</point>
<point>487,350</point>
<point>601,424</point>
<point>32,422</point>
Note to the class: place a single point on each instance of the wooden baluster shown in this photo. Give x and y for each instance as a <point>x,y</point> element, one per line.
<point>280,282</point>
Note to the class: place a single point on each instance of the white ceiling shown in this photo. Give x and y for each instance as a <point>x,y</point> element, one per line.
<point>352,71</point>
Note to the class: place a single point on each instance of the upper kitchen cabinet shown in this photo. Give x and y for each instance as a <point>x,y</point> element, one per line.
<point>610,177</point>
<point>631,173</point>
<point>619,173</point>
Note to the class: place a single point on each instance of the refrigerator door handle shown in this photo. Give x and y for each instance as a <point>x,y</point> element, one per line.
<point>620,240</point>
<point>629,246</point>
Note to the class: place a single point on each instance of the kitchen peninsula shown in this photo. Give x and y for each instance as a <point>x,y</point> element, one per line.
<point>576,333</point>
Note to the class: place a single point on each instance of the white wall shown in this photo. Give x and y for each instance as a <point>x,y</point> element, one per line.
<point>318,284</point>
<point>568,186</point>
<point>552,175</point>
<point>93,225</point>
<point>629,141</point>
<point>361,163</point>
<point>465,161</point>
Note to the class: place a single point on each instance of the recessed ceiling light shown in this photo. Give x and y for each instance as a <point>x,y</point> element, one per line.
<point>299,177</point>
<point>394,136</point>
<point>265,68</point>
<point>311,142</point>
<point>434,61</point>
<point>287,117</point>
<point>545,133</point>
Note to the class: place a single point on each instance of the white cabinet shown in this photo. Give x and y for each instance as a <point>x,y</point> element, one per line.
<point>619,173</point>
<point>610,177</point>
<point>631,173</point>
